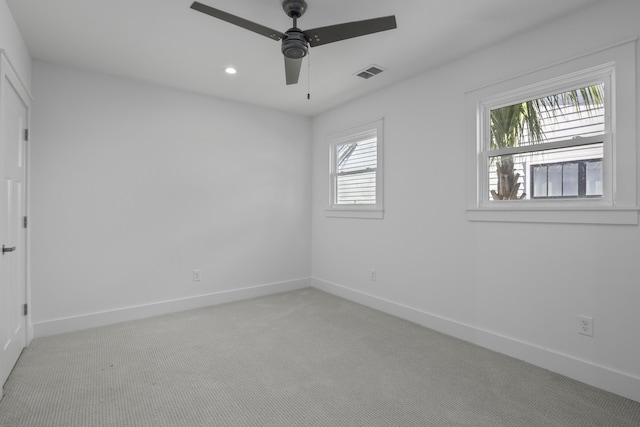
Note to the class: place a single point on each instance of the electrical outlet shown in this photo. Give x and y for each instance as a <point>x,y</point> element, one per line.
<point>372,277</point>
<point>585,325</point>
<point>196,275</point>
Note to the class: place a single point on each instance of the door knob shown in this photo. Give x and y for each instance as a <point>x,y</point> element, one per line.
<point>5,249</point>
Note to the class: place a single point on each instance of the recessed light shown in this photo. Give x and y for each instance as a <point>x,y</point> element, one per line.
<point>230,70</point>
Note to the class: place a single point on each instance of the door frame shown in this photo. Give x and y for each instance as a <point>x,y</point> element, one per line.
<point>9,76</point>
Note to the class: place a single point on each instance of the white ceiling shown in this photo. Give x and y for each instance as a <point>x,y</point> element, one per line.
<point>167,43</point>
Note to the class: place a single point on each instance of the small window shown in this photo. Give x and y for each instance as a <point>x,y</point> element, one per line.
<point>356,172</point>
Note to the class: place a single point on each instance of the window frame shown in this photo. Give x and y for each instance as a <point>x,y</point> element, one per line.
<point>355,134</point>
<point>615,66</point>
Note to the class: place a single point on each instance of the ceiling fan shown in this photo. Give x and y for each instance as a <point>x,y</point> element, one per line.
<point>295,42</point>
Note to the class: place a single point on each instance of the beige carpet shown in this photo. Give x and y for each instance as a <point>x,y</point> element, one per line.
<point>301,358</point>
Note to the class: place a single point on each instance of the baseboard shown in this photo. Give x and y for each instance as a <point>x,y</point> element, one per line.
<point>91,320</point>
<point>605,378</point>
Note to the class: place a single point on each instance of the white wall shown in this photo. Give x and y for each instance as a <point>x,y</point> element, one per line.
<point>436,268</point>
<point>134,186</point>
<point>13,44</point>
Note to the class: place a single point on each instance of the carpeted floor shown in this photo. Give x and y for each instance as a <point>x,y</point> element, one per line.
<point>301,358</point>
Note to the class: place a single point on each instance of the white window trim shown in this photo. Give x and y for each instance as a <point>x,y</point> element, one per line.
<point>371,211</point>
<point>619,204</point>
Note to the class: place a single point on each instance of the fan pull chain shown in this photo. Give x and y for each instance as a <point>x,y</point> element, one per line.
<point>309,75</point>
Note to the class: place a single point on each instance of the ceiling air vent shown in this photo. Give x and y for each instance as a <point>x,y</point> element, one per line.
<point>370,72</point>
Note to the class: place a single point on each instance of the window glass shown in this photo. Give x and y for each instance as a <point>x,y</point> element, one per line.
<point>554,180</point>
<point>552,132</point>
<point>356,176</point>
<point>570,180</point>
<point>594,178</point>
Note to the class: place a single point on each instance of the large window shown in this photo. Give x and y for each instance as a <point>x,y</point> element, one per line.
<point>557,144</point>
<point>562,127</point>
<point>356,172</point>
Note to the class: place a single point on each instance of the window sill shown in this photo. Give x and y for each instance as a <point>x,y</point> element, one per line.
<point>353,213</point>
<point>608,215</point>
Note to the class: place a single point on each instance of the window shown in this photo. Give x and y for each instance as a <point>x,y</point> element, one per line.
<point>581,179</point>
<point>356,172</point>
<point>562,126</point>
<point>557,144</point>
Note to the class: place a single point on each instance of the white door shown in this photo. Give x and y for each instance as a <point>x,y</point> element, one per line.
<point>13,121</point>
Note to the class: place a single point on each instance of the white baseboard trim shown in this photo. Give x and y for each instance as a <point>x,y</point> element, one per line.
<point>620,383</point>
<point>92,320</point>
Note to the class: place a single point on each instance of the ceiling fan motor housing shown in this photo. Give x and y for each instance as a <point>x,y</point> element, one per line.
<point>295,45</point>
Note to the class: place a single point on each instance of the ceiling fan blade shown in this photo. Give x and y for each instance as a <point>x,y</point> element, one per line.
<point>292,69</point>
<point>235,20</point>
<point>334,33</point>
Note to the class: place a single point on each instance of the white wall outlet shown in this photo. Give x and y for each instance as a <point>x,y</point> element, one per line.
<point>372,276</point>
<point>585,325</point>
<point>196,275</point>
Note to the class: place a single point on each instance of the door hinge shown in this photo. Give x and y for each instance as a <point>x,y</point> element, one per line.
<point>25,309</point>
<point>26,134</point>
<point>24,222</point>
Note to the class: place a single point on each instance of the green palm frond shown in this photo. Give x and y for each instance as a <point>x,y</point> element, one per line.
<point>509,124</point>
